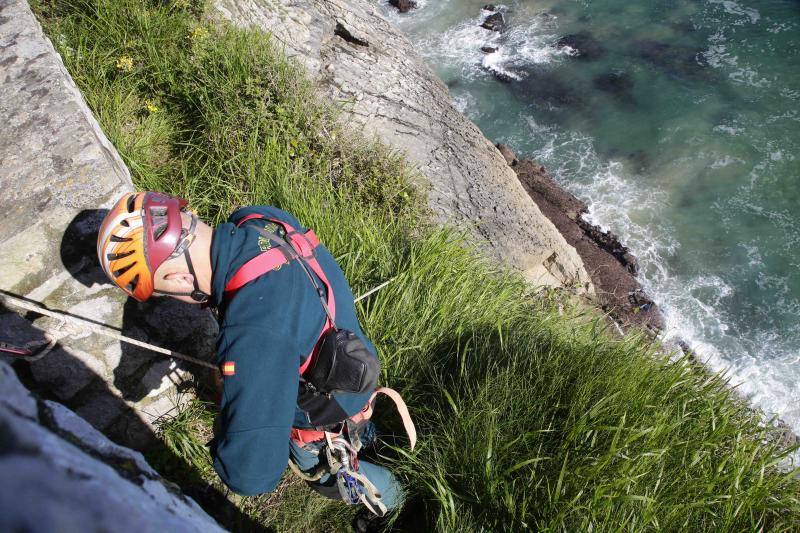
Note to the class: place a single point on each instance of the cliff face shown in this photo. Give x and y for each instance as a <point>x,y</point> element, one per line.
<point>60,474</point>
<point>362,61</point>
<point>57,172</point>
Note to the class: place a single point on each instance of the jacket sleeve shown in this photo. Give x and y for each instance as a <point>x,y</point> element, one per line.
<point>251,448</point>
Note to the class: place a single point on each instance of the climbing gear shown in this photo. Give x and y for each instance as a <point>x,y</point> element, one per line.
<point>339,361</point>
<point>341,452</point>
<point>70,324</point>
<point>140,233</point>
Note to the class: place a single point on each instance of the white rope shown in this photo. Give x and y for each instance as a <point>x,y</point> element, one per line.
<point>83,324</point>
<point>102,329</point>
<point>376,289</point>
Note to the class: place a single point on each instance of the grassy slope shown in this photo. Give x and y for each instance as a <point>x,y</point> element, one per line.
<point>529,418</point>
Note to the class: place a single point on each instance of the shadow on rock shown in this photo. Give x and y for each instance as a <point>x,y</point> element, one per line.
<point>19,330</point>
<point>172,324</point>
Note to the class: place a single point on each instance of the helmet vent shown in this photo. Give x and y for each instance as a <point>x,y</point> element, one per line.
<point>114,257</point>
<point>121,271</point>
<point>159,231</point>
<point>131,203</point>
<point>114,238</point>
<point>132,285</point>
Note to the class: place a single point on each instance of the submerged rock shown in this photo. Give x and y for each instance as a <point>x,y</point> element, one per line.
<point>494,22</point>
<point>617,84</point>
<point>584,46</point>
<point>614,82</point>
<point>488,49</point>
<point>540,85</point>
<point>679,61</point>
<point>404,6</point>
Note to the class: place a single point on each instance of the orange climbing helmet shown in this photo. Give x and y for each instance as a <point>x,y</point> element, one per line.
<point>140,233</point>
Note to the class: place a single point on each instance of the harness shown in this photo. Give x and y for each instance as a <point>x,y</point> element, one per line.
<point>341,447</point>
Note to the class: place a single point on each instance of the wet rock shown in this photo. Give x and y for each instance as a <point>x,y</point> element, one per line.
<point>403,6</point>
<point>507,154</point>
<point>494,22</point>
<point>610,264</point>
<point>583,45</point>
<point>488,49</point>
<point>490,7</point>
<point>617,83</point>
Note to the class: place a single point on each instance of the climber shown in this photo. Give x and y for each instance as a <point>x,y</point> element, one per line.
<point>298,373</point>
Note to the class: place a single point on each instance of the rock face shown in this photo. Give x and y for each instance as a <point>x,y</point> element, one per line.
<point>57,172</point>
<point>60,474</point>
<point>357,57</point>
<point>403,6</point>
<point>610,264</point>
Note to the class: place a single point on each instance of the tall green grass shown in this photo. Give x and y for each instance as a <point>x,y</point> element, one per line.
<point>531,415</point>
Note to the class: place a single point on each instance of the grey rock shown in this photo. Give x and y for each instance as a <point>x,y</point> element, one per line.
<point>55,159</point>
<point>60,474</point>
<point>395,96</point>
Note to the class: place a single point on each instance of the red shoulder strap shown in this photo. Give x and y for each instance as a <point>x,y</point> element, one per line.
<point>304,244</point>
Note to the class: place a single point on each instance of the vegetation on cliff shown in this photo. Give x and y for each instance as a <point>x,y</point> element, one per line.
<point>530,414</point>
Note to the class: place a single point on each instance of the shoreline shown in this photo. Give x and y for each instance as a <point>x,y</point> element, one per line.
<point>609,263</point>
<point>612,268</point>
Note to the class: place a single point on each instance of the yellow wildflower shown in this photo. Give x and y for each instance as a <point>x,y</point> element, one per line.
<point>198,34</point>
<point>125,63</point>
<point>151,106</point>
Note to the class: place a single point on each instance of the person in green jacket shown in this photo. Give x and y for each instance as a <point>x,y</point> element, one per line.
<point>272,319</point>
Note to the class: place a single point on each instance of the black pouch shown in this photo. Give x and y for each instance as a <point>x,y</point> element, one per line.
<point>343,364</point>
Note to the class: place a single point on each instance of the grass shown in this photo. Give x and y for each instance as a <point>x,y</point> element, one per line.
<point>531,415</point>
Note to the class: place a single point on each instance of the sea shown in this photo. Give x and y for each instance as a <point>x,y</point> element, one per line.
<point>678,123</point>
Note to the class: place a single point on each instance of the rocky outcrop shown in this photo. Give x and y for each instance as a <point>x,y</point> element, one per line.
<point>609,263</point>
<point>60,474</point>
<point>359,58</point>
<point>57,171</point>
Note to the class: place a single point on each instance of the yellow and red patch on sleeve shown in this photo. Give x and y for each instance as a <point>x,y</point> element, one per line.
<point>228,368</point>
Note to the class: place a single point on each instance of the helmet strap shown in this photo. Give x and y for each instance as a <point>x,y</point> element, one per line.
<point>197,295</point>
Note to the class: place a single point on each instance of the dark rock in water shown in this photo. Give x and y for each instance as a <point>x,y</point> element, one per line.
<point>545,86</point>
<point>584,45</point>
<point>494,22</point>
<point>675,60</point>
<point>488,49</point>
<point>404,6</point>
<point>614,82</point>
<point>490,7</point>
<point>502,76</point>
<point>508,154</point>
<point>609,263</point>
<point>617,84</point>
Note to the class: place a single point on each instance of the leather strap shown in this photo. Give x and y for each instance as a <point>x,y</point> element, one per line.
<point>304,246</point>
<point>302,437</point>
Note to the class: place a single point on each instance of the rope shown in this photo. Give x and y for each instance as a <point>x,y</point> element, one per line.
<point>101,329</point>
<point>86,325</point>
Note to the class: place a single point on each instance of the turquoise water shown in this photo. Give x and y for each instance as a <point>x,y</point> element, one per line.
<point>680,129</point>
